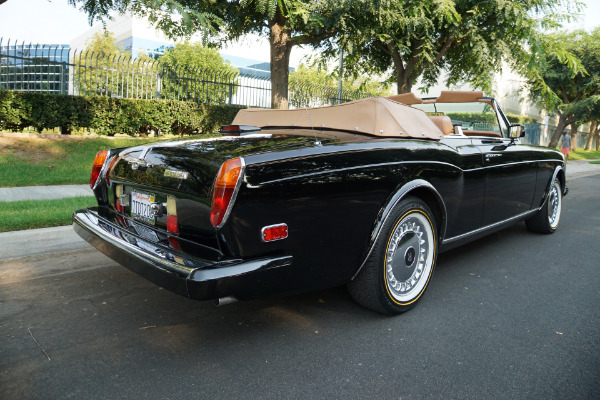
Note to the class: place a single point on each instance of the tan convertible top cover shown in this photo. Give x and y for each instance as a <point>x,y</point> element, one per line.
<point>374,115</point>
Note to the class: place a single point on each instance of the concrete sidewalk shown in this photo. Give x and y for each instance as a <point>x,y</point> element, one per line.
<point>44,192</point>
<point>580,168</point>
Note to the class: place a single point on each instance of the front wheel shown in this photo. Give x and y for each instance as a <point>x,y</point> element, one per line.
<point>402,261</point>
<point>546,220</point>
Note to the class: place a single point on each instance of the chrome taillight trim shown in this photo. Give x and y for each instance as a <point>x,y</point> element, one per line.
<point>104,170</point>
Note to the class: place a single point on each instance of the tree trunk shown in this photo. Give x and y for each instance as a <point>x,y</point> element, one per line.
<point>573,137</point>
<point>590,136</point>
<point>404,82</point>
<point>281,47</point>
<point>562,124</point>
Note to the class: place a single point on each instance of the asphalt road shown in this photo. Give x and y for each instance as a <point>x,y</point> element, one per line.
<point>511,316</point>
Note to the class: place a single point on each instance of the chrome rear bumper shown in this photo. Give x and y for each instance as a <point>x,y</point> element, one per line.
<point>195,278</point>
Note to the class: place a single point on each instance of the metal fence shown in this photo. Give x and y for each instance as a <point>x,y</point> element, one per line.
<point>536,134</point>
<point>59,69</point>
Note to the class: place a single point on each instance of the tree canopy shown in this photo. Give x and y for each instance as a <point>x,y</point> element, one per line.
<point>467,40</point>
<point>573,95</point>
<point>188,67</point>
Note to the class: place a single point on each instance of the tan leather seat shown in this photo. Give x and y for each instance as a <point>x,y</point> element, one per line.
<point>443,122</point>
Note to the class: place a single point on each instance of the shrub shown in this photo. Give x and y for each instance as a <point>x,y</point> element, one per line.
<point>107,116</point>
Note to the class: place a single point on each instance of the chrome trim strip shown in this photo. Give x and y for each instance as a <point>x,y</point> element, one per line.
<point>404,162</point>
<point>235,193</point>
<point>104,169</point>
<point>487,227</point>
<point>203,275</point>
<point>554,176</point>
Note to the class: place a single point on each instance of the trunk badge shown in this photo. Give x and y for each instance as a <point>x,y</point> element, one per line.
<point>175,173</point>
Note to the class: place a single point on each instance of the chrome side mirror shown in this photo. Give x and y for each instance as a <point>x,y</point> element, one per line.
<point>516,131</point>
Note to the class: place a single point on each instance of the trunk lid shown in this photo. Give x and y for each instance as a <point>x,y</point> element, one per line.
<point>143,179</point>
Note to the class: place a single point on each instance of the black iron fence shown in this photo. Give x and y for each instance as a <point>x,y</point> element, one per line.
<point>59,69</point>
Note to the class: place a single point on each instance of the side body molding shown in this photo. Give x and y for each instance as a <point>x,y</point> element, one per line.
<point>405,190</point>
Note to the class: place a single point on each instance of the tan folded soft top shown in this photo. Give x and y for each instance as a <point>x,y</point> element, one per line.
<point>377,116</point>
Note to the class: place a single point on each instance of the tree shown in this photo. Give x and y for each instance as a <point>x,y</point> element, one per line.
<point>309,83</point>
<point>465,39</point>
<point>106,69</point>
<point>574,95</point>
<point>287,23</point>
<point>197,73</point>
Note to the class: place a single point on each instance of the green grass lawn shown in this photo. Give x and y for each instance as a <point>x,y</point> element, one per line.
<point>580,154</point>
<point>31,214</point>
<point>45,161</point>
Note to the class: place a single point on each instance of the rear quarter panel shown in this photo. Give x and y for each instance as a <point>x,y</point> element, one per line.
<point>330,198</point>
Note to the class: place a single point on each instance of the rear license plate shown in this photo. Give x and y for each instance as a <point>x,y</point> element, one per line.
<point>141,207</point>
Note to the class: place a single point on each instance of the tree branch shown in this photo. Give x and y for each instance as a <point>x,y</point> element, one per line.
<point>312,39</point>
<point>563,92</point>
<point>398,63</point>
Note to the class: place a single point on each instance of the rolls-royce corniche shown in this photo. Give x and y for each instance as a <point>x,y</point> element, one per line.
<point>363,194</point>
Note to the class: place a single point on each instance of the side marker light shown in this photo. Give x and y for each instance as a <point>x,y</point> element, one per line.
<point>274,232</point>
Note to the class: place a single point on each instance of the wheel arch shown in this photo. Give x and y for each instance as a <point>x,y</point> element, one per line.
<point>421,189</point>
<point>560,174</point>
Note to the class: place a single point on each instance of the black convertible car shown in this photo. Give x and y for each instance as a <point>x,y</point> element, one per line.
<point>364,194</point>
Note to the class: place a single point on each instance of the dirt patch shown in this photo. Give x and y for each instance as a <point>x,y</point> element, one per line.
<point>32,150</point>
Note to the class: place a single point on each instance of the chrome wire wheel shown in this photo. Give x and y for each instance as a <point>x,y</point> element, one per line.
<point>409,257</point>
<point>554,205</point>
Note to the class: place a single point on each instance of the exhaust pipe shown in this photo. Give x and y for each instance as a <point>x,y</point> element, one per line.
<point>222,301</point>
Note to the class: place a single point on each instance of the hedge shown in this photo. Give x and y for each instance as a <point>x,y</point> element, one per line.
<point>107,115</point>
<point>489,117</point>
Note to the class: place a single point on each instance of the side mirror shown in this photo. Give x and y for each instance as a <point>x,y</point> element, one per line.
<point>516,131</point>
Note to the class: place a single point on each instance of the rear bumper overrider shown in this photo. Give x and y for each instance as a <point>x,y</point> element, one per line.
<point>194,278</point>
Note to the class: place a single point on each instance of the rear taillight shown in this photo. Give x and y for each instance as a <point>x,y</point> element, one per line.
<point>97,166</point>
<point>225,185</point>
<point>173,227</point>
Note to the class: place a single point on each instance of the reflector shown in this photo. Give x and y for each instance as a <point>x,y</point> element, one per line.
<point>274,232</point>
<point>172,224</point>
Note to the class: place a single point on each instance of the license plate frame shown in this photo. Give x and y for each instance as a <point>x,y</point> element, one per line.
<point>141,209</point>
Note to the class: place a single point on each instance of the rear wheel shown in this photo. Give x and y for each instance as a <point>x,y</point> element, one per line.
<point>398,270</point>
<point>546,220</point>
